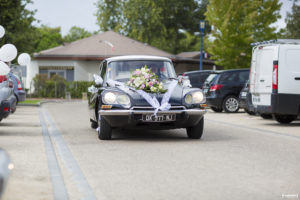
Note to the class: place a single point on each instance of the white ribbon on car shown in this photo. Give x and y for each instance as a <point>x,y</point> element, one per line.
<point>92,89</point>
<point>163,106</point>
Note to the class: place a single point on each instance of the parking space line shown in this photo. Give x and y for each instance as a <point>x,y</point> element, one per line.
<point>59,189</point>
<point>68,160</point>
<point>254,129</point>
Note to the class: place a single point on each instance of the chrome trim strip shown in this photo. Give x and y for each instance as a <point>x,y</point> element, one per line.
<point>129,112</point>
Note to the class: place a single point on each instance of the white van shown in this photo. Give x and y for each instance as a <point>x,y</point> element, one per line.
<point>275,79</point>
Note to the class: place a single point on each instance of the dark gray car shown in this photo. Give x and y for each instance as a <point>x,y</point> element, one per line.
<point>7,97</point>
<point>18,87</point>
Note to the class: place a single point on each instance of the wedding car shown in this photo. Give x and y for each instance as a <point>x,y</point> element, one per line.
<point>144,92</point>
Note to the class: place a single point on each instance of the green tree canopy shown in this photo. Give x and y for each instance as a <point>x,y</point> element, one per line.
<point>47,37</point>
<point>17,21</point>
<point>160,23</point>
<point>293,22</point>
<point>236,25</point>
<point>76,33</point>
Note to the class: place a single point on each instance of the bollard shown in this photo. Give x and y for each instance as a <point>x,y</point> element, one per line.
<point>68,96</point>
<point>84,96</point>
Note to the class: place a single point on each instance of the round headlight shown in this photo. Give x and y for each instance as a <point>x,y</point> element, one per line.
<point>198,97</point>
<point>123,99</point>
<point>188,99</point>
<point>109,98</point>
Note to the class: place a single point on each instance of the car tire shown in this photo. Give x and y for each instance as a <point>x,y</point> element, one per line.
<point>285,119</point>
<point>231,104</point>
<point>218,110</point>
<point>94,124</point>
<point>104,130</point>
<point>196,132</point>
<point>266,116</point>
<point>249,112</point>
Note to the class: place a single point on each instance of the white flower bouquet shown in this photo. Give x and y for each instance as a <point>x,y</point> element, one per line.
<point>144,79</point>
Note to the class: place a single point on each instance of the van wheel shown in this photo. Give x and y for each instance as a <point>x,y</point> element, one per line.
<point>231,104</point>
<point>217,109</point>
<point>285,119</point>
<point>196,132</point>
<point>104,130</point>
<point>266,116</point>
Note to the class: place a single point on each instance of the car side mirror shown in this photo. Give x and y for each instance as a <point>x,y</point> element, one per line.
<point>98,79</point>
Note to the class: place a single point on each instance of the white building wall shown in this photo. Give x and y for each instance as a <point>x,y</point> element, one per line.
<point>83,70</point>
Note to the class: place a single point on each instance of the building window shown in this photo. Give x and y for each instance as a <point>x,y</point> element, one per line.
<point>64,71</point>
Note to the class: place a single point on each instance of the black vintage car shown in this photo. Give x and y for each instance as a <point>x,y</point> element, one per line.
<point>115,105</point>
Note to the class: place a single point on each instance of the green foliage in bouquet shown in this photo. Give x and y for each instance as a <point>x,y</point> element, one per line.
<point>145,79</point>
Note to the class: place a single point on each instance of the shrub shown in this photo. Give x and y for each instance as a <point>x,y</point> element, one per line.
<point>56,87</point>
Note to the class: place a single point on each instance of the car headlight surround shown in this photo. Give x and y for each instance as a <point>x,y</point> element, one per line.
<point>195,97</point>
<point>116,98</point>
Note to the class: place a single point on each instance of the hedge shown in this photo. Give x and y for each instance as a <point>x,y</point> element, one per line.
<point>57,87</point>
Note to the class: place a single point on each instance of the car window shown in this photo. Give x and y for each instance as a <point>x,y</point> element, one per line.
<point>229,77</point>
<point>243,76</point>
<point>121,70</point>
<point>210,79</point>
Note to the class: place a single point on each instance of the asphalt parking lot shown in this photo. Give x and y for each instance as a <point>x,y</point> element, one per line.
<point>58,156</point>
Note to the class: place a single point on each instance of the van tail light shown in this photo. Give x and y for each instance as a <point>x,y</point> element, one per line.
<point>215,87</point>
<point>3,78</point>
<point>275,76</point>
<point>19,85</point>
<point>6,109</point>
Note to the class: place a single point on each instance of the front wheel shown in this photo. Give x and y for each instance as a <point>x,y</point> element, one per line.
<point>196,132</point>
<point>231,104</point>
<point>285,119</point>
<point>104,130</point>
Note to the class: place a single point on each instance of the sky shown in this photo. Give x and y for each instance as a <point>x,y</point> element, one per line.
<point>68,13</point>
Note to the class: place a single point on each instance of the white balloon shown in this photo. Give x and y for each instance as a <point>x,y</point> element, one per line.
<point>8,52</point>
<point>4,68</point>
<point>2,31</point>
<point>24,59</point>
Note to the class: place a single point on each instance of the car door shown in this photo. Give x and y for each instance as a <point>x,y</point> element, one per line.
<point>289,70</point>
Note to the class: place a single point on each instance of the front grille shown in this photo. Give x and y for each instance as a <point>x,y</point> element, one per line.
<point>151,108</point>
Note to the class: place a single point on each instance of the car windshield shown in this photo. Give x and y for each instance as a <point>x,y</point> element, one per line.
<point>122,70</point>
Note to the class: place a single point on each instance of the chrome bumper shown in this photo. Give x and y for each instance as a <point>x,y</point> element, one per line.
<point>131,111</point>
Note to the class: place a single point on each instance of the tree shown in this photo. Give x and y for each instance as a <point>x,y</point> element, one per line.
<point>109,14</point>
<point>236,25</point>
<point>47,37</point>
<point>293,22</point>
<point>76,33</point>
<point>17,21</point>
<point>160,23</point>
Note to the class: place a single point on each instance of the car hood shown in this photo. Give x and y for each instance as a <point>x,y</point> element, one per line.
<point>176,99</point>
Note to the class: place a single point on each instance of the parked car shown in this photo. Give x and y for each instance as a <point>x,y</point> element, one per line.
<point>275,79</point>
<point>222,89</point>
<point>4,170</point>
<point>117,106</point>
<point>197,78</point>
<point>245,100</point>
<point>7,97</point>
<point>18,87</point>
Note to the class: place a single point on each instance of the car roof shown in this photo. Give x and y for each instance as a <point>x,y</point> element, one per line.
<point>198,71</point>
<point>137,57</point>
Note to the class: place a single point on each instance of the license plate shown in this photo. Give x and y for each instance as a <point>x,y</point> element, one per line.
<point>159,118</point>
<point>244,94</point>
<point>255,99</point>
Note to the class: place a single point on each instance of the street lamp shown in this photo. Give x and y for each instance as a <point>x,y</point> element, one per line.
<point>202,27</point>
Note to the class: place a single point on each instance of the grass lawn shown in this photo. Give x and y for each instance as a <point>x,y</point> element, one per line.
<point>31,101</point>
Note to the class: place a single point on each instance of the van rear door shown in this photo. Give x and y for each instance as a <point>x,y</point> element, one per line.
<point>289,69</point>
<point>262,88</point>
